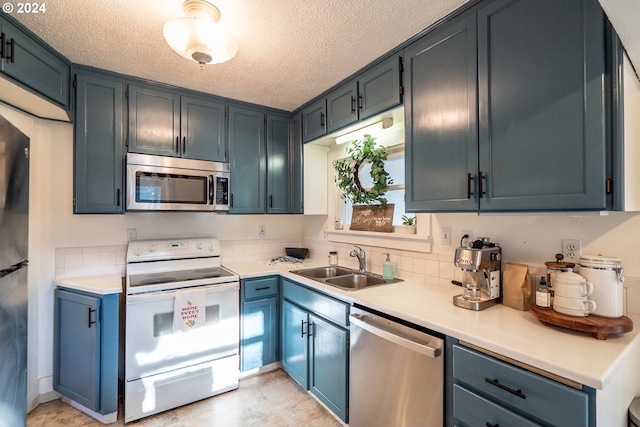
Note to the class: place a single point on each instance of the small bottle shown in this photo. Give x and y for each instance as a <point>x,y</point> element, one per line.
<point>387,269</point>
<point>543,296</point>
<point>333,258</point>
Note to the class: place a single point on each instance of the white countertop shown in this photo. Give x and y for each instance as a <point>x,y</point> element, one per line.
<point>103,284</point>
<point>513,333</point>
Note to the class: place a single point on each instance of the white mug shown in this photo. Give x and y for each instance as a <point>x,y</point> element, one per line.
<point>573,289</point>
<point>579,307</point>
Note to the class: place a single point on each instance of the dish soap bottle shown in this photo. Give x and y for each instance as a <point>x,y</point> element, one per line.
<point>387,269</point>
<point>543,295</point>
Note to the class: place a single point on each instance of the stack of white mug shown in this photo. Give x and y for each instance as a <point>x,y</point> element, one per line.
<point>571,295</point>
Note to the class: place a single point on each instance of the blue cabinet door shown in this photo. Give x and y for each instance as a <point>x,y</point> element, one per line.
<point>441,140</point>
<point>154,121</point>
<point>247,160</point>
<point>295,327</point>
<point>314,120</point>
<point>328,362</point>
<point>342,106</point>
<point>259,342</point>
<point>77,347</point>
<point>98,144</point>
<point>278,164</point>
<point>34,65</point>
<point>203,132</point>
<point>543,130</point>
<point>379,88</point>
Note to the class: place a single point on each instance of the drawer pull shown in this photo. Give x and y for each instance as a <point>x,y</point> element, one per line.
<point>264,288</point>
<point>505,388</point>
<point>488,424</point>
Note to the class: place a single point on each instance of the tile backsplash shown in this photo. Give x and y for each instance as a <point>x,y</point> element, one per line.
<point>430,269</point>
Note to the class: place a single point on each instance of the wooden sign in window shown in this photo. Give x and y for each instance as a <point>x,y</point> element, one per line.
<point>372,218</point>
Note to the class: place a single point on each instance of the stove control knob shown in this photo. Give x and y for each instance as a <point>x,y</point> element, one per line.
<point>199,245</point>
<point>137,251</point>
<point>151,248</point>
<point>212,247</point>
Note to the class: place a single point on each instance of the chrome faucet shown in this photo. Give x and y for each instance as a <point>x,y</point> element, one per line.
<point>362,258</point>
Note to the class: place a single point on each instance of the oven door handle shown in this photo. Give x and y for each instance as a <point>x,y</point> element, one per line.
<point>170,294</point>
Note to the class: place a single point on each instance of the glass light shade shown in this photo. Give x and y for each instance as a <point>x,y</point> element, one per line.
<point>200,39</point>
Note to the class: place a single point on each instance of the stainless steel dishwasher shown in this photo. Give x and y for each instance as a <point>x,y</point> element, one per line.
<point>396,372</point>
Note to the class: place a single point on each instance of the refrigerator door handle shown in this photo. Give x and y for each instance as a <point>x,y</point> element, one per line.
<point>15,267</point>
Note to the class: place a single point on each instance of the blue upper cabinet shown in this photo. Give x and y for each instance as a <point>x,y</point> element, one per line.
<point>278,161</point>
<point>442,152</point>
<point>314,120</point>
<point>374,91</point>
<point>165,123</point>
<point>98,143</point>
<point>539,140</point>
<point>203,129</point>
<point>33,65</point>
<point>247,160</point>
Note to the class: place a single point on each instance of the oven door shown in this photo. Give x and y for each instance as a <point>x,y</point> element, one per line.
<point>172,189</point>
<point>152,346</point>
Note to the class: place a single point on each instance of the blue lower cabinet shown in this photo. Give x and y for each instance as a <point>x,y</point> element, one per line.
<point>259,325</point>
<point>315,346</point>
<point>487,391</point>
<point>86,349</point>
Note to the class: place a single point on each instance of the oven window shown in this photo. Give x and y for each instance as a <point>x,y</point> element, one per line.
<point>163,322</point>
<point>168,188</point>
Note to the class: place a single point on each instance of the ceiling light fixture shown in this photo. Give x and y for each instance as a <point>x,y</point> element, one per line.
<point>200,36</point>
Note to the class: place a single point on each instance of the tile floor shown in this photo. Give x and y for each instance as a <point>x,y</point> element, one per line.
<point>272,399</point>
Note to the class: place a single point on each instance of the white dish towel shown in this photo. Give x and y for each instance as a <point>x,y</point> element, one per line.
<point>189,310</point>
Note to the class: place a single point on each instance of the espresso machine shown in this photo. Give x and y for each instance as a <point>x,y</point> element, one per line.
<point>480,265</point>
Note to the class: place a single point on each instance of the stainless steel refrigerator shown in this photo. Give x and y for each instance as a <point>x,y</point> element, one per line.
<point>14,222</point>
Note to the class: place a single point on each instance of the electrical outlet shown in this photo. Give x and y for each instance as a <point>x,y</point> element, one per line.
<point>261,232</point>
<point>131,234</point>
<point>571,249</point>
<point>445,239</point>
<point>464,241</point>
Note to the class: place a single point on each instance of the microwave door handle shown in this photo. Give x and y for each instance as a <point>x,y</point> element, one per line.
<point>211,188</point>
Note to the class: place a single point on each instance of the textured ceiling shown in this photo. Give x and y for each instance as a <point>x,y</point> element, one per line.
<point>289,50</point>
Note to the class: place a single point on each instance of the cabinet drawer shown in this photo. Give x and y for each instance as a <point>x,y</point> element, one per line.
<point>332,309</point>
<point>519,389</point>
<point>474,410</point>
<point>260,288</point>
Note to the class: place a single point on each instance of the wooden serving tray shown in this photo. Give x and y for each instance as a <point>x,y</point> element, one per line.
<point>599,327</point>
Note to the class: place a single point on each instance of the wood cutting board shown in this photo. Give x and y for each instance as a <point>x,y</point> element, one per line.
<point>599,327</point>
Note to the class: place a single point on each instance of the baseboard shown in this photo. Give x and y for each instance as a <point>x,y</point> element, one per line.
<point>260,370</point>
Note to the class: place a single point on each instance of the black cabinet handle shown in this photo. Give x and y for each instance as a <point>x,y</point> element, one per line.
<point>505,388</point>
<point>264,288</point>
<point>270,200</point>
<point>481,177</point>
<point>91,310</point>
<point>2,38</point>
<point>311,327</point>
<point>177,144</point>
<point>353,105</point>
<point>302,328</point>
<point>488,424</point>
<point>360,102</point>
<point>11,56</point>
<point>231,204</point>
<point>184,144</point>
<point>322,119</point>
<point>118,197</point>
<point>470,185</point>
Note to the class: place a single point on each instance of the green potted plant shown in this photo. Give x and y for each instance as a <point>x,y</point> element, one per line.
<point>375,214</point>
<point>408,225</point>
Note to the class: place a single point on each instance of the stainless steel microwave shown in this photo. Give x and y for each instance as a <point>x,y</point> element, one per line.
<point>159,183</point>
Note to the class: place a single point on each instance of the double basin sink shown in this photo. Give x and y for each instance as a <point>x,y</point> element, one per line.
<point>344,278</point>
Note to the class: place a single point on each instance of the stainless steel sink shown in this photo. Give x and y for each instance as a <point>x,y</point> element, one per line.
<point>343,278</point>
<point>323,272</point>
<point>356,281</point>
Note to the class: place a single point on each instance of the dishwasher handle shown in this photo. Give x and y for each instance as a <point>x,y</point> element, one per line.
<point>427,350</point>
